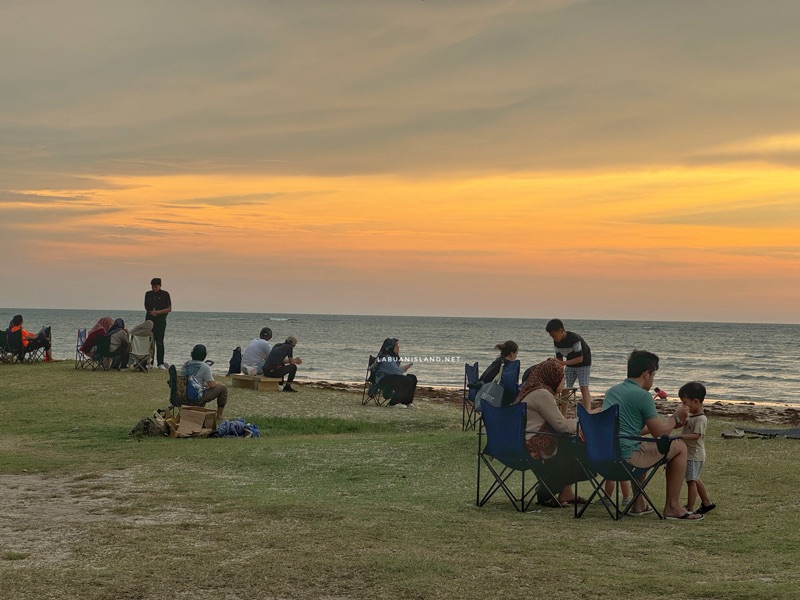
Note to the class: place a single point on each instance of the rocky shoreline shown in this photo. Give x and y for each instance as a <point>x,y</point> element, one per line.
<point>772,413</point>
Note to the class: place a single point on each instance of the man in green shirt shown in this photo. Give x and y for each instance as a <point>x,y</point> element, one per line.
<point>638,416</point>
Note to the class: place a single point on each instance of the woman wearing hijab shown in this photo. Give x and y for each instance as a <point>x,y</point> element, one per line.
<point>118,344</point>
<point>398,385</point>
<point>95,333</point>
<point>541,392</point>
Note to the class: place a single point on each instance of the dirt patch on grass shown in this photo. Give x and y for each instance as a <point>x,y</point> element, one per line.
<point>43,516</point>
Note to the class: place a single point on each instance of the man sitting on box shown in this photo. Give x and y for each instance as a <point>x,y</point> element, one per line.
<point>212,390</point>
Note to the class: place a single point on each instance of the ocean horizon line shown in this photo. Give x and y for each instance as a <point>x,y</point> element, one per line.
<point>399,316</point>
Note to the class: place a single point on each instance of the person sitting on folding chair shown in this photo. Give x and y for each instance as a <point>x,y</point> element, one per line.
<point>508,353</point>
<point>541,392</point>
<point>30,341</point>
<point>118,344</point>
<point>637,412</point>
<point>95,333</point>
<point>391,376</point>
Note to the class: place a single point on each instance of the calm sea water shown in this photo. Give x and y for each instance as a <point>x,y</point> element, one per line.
<point>736,361</point>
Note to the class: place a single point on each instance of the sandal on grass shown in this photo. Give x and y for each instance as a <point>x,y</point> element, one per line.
<point>576,500</point>
<point>552,503</point>
<point>687,516</point>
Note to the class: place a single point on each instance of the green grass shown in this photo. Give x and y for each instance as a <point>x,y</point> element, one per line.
<point>338,500</point>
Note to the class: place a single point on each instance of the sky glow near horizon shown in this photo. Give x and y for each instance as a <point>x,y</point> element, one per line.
<point>598,160</point>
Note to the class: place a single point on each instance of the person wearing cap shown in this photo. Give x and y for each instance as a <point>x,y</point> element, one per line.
<point>158,305</point>
<point>282,362</point>
<point>256,353</point>
<point>212,390</point>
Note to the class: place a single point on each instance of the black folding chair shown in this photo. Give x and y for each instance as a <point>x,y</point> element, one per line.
<point>22,353</point>
<point>373,391</point>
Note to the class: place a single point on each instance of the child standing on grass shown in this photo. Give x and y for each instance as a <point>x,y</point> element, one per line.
<point>692,395</point>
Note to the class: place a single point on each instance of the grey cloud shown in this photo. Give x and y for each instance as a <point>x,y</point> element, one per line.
<point>412,87</point>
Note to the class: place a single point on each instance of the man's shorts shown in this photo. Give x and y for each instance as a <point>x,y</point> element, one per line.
<point>693,469</point>
<point>647,455</point>
<point>579,373</point>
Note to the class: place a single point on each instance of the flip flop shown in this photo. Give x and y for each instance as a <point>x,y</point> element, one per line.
<point>687,516</point>
<point>646,511</point>
<point>704,508</point>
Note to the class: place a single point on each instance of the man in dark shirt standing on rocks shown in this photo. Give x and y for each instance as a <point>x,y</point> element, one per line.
<point>158,305</point>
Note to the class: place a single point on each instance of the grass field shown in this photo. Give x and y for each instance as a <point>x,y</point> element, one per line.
<point>337,500</point>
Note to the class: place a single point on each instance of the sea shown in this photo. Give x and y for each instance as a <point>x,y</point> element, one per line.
<point>735,361</point>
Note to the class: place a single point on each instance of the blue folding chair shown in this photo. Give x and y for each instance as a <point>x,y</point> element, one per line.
<point>503,431</point>
<point>82,361</point>
<point>604,463</point>
<point>469,416</point>
<point>510,382</point>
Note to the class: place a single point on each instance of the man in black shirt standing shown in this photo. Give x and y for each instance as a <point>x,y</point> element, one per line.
<point>158,305</point>
<point>281,362</point>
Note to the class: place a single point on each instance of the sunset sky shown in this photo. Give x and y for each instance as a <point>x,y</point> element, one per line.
<point>534,158</point>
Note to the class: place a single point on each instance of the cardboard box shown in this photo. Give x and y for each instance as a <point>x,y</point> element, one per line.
<point>192,421</point>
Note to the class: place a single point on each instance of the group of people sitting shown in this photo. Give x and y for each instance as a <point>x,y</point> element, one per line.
<point>541,391</point>
<point>110,341</point>
<point>20,342</point>
<point>260,357</point>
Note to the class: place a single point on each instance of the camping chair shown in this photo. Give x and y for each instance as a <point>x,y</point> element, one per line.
<point>20,352</point>
<point>373,392</point>
<point>141,352</point>
<point>509,381</point>
<point>469,416</point>
<point>5,351</point>
<point>604,463</point>
<point>82,360</point>
<point>504,431</point>
<point>103,357</point>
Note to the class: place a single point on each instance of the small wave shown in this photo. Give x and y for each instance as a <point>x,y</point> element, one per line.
<point>280,319</point>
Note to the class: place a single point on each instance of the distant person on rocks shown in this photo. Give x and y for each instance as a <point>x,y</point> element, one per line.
<point>392,377</point>
<point>257,352</point>
<point>212,390</point>
<point>282,362</point>
<point>158,305</point>
<point>576,356</point>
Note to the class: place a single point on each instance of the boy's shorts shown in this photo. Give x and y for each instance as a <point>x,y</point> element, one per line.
<point>693,469</point>
<point>579,373</point>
